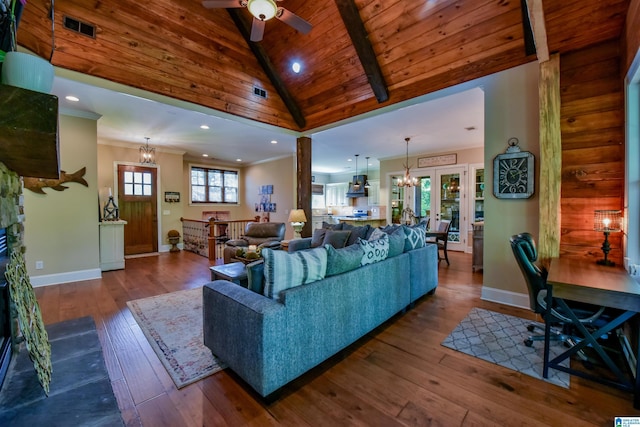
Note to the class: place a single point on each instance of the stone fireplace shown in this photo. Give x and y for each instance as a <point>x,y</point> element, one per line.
<point>11,238</point>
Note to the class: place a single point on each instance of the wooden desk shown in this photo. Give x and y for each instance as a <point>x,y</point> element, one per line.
<point>589,282</point>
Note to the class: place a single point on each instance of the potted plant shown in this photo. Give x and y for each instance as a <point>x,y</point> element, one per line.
<point>174,237</point>
<point>19,68</point>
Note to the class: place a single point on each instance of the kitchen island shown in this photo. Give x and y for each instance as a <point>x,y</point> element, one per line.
<point>362,220</point>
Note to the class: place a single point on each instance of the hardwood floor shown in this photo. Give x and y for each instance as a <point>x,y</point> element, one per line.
<point>397,375</point>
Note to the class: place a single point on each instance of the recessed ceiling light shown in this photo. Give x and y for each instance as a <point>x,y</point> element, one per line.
<point>72,98</point>
<point>273,141</point>
<point>349,160</point>
<point>296,67</point>
<point>205,155</point>
<point>204,127</point>
<point>238,160</point>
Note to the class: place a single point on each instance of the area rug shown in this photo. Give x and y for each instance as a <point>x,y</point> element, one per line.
<point>499,338</point>
<point>172,324</point>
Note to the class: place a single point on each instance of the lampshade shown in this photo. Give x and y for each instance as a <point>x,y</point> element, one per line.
<point>262,9</point>
<point>607,220</point>
<point>297,215</point>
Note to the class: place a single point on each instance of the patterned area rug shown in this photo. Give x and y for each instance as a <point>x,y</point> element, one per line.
<point>172,324</point>
<point>498,338</point>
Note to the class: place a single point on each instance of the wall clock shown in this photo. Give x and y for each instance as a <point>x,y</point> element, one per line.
<point>513,173</point>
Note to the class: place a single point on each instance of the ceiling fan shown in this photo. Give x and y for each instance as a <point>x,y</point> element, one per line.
<point>262,11</point>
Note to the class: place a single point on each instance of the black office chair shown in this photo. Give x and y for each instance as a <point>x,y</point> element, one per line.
<point>526,254</point>
<point>441,237</point>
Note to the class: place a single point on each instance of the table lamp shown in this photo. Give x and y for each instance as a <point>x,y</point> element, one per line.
<point>297,218</point>
<point>607,221</point>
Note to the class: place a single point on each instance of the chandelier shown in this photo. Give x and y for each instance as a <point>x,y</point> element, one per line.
<point>407,181</point>
<point>147,154</point>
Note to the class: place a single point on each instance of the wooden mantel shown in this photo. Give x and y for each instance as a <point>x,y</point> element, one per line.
<point>29,132</point>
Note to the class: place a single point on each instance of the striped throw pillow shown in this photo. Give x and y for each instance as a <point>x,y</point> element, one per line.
<point>283,270</point>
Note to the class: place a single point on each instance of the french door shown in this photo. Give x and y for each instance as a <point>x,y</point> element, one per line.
<point>449,203</point>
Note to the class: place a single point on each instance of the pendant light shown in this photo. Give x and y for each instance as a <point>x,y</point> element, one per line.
<point>356,183</point>
<point>407,181</point>
<point>366,180</point>
<point>147,154</point>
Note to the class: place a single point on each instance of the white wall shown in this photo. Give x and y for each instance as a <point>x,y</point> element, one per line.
<point>61,227</point>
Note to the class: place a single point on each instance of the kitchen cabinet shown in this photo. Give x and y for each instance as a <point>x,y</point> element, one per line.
<point>336,194</point>
<point>112,245</point>
<point>374,192</point>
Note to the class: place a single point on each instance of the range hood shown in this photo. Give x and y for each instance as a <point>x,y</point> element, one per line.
<point>358,191</point>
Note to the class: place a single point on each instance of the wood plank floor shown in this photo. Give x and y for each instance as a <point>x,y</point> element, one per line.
<point>398,375</point>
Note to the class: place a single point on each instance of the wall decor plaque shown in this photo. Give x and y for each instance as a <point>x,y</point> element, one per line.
<point>442,160</point>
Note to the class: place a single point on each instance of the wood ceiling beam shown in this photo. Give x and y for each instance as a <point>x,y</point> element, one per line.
<point>535,28</point>
<point>360,39</point>
<point>263,59</point>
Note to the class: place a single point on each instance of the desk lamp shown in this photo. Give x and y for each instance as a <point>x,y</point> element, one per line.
<point>607,221</point>
<point>297,218</point>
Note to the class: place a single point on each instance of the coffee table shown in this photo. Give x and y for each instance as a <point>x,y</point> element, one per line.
<point>235,272</point>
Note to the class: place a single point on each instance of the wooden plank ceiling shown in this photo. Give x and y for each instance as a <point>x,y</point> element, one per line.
<point>185,51</point>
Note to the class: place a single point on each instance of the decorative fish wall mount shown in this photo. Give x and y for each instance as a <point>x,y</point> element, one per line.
<point>37,185</point>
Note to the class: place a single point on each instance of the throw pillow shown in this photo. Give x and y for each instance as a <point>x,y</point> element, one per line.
<point>318,237</point>
<point>397,239</point>
<point>356,232</point>
<point>415,236</point>
<point>255,276</point>
<point>376,234</point>
<point>283,270</point>
<point>374,250</point>
<point>343,260</point>
<point>328,226</point>
<point>336,238</point>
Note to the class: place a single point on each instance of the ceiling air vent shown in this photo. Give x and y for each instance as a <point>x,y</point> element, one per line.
<point>79,27</point>
<point>260,92</point>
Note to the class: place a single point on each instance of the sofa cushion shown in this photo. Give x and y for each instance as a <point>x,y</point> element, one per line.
<point>415,236</point>
<point>343,259</point>
<point>376,234</point>
<point>336,238</point>
<point>357,231</point>
<point>284,270</point>
<point>374,250</point>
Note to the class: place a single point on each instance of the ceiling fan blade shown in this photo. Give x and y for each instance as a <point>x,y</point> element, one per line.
<point>293,20</point>
<point>257,30</point>
<point>222,4</point>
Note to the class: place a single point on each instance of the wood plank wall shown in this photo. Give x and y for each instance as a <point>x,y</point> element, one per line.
<point>592,126</point>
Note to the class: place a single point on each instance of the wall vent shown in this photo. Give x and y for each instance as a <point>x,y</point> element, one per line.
<point>78,26</point>
<point>260,92</point>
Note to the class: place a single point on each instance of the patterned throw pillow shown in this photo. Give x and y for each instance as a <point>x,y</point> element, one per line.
<point>283,270</point>
<point>415,236</point>
<point>376,234</point>
<point>374,250</point>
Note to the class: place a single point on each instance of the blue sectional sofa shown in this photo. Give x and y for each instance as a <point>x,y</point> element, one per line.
<point>269,342</point>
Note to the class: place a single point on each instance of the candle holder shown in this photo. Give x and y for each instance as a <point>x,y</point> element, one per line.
<point>607,221</point>
<point>110,211</point>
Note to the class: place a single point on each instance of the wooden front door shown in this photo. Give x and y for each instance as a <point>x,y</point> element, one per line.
<point>137,201</point>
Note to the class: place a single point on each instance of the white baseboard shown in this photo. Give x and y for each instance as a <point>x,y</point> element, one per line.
<point>71,276</point>
<point>505,297</point>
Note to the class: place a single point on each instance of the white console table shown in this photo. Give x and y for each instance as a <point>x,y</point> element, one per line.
<point>112,245</point>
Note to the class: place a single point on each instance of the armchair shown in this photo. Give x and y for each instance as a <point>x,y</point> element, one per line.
<point>526,254</point>
<point>261,234</point>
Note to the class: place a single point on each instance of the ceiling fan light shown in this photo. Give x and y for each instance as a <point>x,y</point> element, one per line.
<point>262,9</point>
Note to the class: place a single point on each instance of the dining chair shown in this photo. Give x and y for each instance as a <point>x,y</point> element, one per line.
<point>441,238</point>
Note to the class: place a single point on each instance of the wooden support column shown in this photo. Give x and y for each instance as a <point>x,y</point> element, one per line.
<point>550,158</point>
<point>303,179</point>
